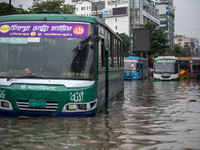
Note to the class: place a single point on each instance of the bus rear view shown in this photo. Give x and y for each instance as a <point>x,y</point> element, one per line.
<point>166,68</point>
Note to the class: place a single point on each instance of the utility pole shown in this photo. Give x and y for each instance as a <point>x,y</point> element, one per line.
<point>9,7</point>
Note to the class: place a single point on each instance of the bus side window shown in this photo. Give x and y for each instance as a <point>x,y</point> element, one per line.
<point>103,53</point>
<point>141,66</point>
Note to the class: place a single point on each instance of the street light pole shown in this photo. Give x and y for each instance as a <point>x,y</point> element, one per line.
<point>95,6</point>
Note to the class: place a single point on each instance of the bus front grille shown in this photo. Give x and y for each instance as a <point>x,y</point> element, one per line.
<point>50,106</point>
<point>165,77</point>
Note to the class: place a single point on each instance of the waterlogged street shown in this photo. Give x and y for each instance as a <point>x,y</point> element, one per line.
<point>152,115</point>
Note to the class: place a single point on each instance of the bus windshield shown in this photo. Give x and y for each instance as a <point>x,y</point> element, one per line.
<point>166,66</point>
<point>47,57</point>
<point>184,65</point>
<point>131,65</point>
<point>195,67</point>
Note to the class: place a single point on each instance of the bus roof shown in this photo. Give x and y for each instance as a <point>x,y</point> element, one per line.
<point>184,58</point>
<point>135,57</point>
<point>166,57</point>
<point>56,17</point>
<point>193,58</point>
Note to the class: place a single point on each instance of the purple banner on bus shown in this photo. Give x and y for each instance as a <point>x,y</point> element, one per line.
<point>44,29</point>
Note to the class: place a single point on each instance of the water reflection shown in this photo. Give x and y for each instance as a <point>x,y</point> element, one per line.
<point>152,115</point>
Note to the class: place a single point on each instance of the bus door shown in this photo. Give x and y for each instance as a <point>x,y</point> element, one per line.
<point>141,71</point>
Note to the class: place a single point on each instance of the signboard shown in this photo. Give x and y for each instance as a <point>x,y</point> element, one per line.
<point>166,61</point>
<point>113,2</point>
<point>107,12</point>
<point>141,40</point>
<point>130,60</point>
<point>44,29</point>
<point>195,58</point>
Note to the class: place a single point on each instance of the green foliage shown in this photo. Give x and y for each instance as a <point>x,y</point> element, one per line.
<point>51,5</point>
<point>4,9</point>
<point>158,40</point>
<point>126,45</point>
<point>175,51</point>
<point>186,52</point>
<point>149,1</point>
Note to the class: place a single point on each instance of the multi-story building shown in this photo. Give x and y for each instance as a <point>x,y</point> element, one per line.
<point>121,16</point>
<point>166,16</point>
<point>87,7</point>
<point>141,12</point>
<point>116,15</point>
<point>193,43</point>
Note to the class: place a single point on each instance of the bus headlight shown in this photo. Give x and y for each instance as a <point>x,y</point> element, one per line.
<point>4,104</point>
<point>80,107</point>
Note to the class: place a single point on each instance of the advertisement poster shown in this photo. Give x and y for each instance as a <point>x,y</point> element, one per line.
<point>45,29</point>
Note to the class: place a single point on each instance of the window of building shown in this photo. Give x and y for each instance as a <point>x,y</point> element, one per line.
<point>164,22</point>
<point>115,19</point>
<point>115,27</point>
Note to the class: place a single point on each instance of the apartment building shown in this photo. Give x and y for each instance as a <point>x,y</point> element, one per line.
<point>193,43</point>
<point>165,10</point>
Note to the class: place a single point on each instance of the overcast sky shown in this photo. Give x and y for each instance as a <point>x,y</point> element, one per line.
<point>187,18</point>
<point>187,15</point>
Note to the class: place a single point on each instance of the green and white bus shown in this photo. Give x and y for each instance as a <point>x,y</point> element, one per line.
<point>57,65</point>
<point>166,68</point>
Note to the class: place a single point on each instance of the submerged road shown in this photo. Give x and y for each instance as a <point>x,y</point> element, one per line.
<point>152,115</point>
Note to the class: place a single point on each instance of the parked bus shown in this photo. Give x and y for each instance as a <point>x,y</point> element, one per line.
<point>195,67</point>
<point>57,65</point>
<point>189,67</point>
<point>184,63</point>
<point>135,68</point>
<point>166,68</point>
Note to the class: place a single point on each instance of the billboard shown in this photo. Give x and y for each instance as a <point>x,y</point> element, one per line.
<point>141,40</point>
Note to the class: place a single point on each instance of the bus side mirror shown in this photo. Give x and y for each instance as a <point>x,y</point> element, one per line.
<point>96,36</point>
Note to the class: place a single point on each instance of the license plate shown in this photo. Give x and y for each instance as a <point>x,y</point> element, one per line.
<point>37,103</point>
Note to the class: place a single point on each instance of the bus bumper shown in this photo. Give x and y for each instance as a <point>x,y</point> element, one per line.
<point>20,113</point>
<point>131,77</point>
<point>178,79</point>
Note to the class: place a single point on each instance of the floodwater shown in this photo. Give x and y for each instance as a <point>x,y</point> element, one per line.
<point>151,116</point>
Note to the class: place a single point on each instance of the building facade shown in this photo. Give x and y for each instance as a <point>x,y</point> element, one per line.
<point>193,43</point>
<point>121,16</point>
<point>165,10</point>
<point>141,12</point>
<point>116,15</point>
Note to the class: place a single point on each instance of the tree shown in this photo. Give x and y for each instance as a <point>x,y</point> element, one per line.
<point>158,40</point>
<point>51,5</point>
<point>4,9</point>
<point>175,51</point>
<point>127,44</point>
<point>186,52</point>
